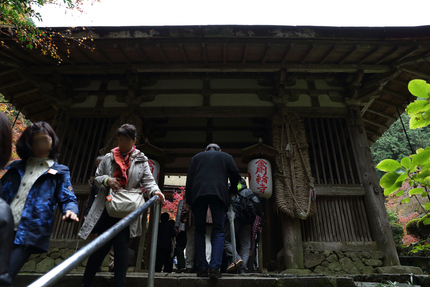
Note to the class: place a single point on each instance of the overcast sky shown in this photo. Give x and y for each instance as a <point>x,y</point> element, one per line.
<point>264,12</point>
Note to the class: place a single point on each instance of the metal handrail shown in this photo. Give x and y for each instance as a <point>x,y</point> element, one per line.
<point>53,276</point>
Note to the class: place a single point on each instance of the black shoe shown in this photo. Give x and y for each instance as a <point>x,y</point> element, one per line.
<point>202,273</point>
<point>189,270</point>
<point>214,273</point>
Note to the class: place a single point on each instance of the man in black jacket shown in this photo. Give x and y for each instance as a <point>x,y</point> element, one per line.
<point>207,185</point>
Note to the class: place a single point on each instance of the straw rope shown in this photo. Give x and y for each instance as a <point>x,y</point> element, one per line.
<point>294,183</point>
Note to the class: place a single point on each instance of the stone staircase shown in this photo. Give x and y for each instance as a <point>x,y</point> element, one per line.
<point>105,279</point>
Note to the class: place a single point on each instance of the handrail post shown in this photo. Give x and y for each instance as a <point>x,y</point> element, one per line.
<point>50,278</point>
<point>154,238</point>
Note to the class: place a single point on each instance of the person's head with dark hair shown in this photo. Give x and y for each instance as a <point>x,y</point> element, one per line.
<point>213,146</point>
<point>5,140</point>
<point>172,222</point>
<point>98,160</point>
<point>242,184</point>
<point>164,217</point>
<point>38,140</point>
<point>127,137</point>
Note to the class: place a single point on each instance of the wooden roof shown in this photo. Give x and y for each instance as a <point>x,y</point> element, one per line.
<point>366,66</point>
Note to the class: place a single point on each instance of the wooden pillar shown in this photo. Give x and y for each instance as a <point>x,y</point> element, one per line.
<point>268,234</point>
<point>374,198</point>
<point>293,244</point>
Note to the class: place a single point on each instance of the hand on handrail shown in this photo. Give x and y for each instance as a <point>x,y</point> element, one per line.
<point>161,197</point>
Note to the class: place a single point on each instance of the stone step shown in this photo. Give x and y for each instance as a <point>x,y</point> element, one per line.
<point>105,279</point>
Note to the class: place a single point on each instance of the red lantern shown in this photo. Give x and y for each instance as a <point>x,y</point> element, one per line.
<point>260,177</point>
<point>155,169</point>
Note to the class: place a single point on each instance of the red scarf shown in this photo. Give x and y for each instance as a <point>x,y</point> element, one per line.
<point>122,165</point>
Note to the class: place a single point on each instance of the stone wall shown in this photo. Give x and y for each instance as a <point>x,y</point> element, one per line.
<point>46,261</point>
<point>342,262</point>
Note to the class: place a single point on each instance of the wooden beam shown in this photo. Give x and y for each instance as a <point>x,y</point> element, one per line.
<point>352,51</point>
<point>245,53</point>
<point>84,55</point>
<point>266,53</point>
<point>287,50</point>
<point>20,94</point>
<point>144,55</point>
<point>375,123</point>
<point>180,112</point>
<point>305,58</point>
<point>373,132</point>
<point>409,53</point>
<point>211,128</point>
<point>210,67</point>
<point>397,94</point>
<point>368,55</point>
<point>367,105</point>
<point>413,60</point>
<point>123,54</point>
<point>224,52</point>
<point>204,53</point>
<point>336,190</point>
<point>101,52</point>
<point>389,104</point>
<point>388,54</point>
<point>186,92</point>
<point>26,106</point>
<point>416,72</point>
<point>6,72</point>
<point>10,63</point>
<point>12,84</point>
<point>381,114</point>
<point>162,53</point>
<point>328,54</point>
<point>184,55</point>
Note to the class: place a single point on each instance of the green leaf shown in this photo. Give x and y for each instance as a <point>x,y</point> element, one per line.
<point>419,88</point>
<point>406,200</point>
<point>427,206</point>
<point>417,190</point>
<point>388,179</point>
<point>416,107</point>
<point>406,162</point>
<point>400,193</point>
<point>424,194</point>
<point>426,108</point>
<point>426,221</point>
<point>402,178</point>
<point>421,158</point>
<point>426,115</point>
<point>417,121</point>
<point>393,188</point>
<point>423,174</point>
<point>388,165</point>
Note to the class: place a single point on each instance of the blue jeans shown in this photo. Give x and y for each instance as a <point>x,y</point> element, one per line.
<point>218,210</point>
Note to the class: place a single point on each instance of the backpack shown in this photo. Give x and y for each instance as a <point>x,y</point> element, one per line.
<point>244,209</point>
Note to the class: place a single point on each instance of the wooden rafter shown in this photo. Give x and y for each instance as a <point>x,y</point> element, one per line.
<point>369,55</point>
<point>184,55</point>
<point>162,53</point>
<point>266,53</point>
<point>210,67</point>
<point>347,55</point>
<point>309,52</point>
<point>334,47</point>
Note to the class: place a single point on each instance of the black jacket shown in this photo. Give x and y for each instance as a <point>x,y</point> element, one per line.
<point>208,174</point>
